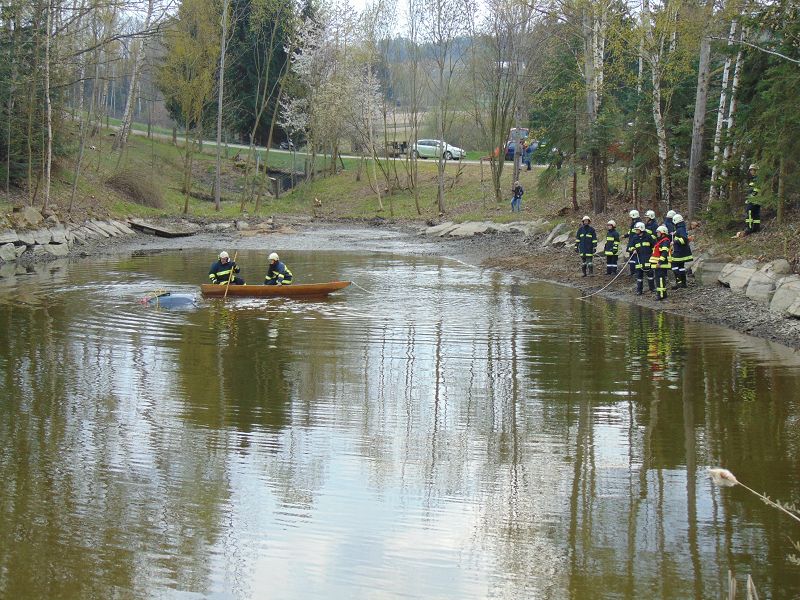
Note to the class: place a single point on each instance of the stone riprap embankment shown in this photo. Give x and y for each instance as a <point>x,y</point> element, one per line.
<point>35,238</point>
<point>772,283</point>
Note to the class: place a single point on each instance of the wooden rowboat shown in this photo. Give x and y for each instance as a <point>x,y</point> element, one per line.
<point>285,291</point>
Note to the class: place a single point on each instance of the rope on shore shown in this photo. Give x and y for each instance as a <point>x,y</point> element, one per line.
<point>619,272</point>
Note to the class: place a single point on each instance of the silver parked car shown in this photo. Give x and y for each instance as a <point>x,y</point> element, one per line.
<point>437,148</point>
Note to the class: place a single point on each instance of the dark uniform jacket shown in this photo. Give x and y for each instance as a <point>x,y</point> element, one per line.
<point>669,225</point>
<point>278,274</point>
<point>612,243</point>
<point>220,273</point>
<point>651,226</point>
<point>631,234</point>
<point>643,244</point>
<point>681,250</point>
<point>586,240</point>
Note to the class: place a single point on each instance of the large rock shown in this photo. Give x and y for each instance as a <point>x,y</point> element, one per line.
<point>786,293</point>
<point>216,227</point>
<point>26,237</point>
<point>122,227</point>
<point>561,240</point>
<point>8,236</point>
<point>30,216</point>
<point>736,276</point>
<point>57,249</point>
<point>761,286</point>
<point>472,228</point>
<point>20,250</point>
<point>42,236</point>
<point>59,235</point>
<point>794,309</point>
<point>7,252</point>
<point>529,228</point>
<point>242,225</point>
<point>108,228</point>
<point>96,230</point>
<point>440,229</point>
<point>779,266</point>
<point>556,230</point>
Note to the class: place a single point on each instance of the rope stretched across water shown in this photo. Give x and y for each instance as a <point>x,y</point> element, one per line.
<point>620,272</point>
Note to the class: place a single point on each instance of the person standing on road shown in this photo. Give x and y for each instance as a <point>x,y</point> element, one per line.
<point>611,249</point>
<point>643,249</point>
<point>753,204</point>
<point>659,261</point>
<point>586,245</point>
<point>516,199</point>
<point>681,252</point>
<point>629,235</point>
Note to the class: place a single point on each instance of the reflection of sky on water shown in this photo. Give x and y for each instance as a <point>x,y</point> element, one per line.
<point>438,431</point>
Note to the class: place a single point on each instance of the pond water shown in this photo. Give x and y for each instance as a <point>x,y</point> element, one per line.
<point>441,431</point>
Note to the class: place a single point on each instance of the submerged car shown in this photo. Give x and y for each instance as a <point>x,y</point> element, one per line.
<point>437,148</point>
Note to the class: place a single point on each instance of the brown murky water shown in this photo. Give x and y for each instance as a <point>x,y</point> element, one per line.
<point>454,433</point>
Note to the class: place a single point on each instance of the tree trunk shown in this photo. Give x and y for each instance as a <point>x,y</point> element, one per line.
<point>138,60</point>
<point>699,123</point>
<point>220,94</point>
<point>781,189</point>
<point>48,107</point>
<point>737,71</point>
<point>723,105</point>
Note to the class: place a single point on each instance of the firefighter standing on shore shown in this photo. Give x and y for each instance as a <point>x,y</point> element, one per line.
<point>586,245</point>
<point>681,252</point>
<point>650,222</point>
<point>629,235</point>
<point>668,221</point>
<point>660,261</point>
<point>643,249</point>
<point>753,204</point>
<point>611,249</point>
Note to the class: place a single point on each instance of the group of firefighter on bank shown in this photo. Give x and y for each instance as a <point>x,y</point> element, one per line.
<point>226,271</point>
<point>654,250</point>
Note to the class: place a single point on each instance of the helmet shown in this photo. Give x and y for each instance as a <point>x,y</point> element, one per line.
<point>223,254</point>
<point>639,226</point>
<point>650,214</point>
<point>670,214</point>
<point>634,214</point>
<point>753,167</point>
<point>662,229</point>
<point>677,219</point>
<point>274,256</point>
<point>586,218</point>
<point>612,222</point>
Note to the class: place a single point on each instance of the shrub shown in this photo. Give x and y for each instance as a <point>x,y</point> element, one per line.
<point>137,187</point>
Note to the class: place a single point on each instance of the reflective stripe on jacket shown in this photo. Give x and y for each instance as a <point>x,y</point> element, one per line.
<point>681,250</point>
<point>643,244</point>
<point>660,256</point>
<point>586,240</point>
<point>278,273</point>
<point>612,243</point>
<point>219,273</point>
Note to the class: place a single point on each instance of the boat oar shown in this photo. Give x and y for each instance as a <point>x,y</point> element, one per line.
<point>230,276</point>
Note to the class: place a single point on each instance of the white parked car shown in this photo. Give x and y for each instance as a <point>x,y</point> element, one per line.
<point>437,148</point>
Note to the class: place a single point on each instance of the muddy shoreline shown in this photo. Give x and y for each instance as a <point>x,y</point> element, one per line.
<point>512,253</point>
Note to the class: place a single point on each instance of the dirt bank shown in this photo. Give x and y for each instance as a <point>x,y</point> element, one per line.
<point>512,253</point>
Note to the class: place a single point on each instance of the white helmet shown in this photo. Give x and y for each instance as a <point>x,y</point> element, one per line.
<point>670,214</point>
<point>650,214</point>
<point>585,218</point>
<point>634,214</point>
<point>662,229</point>
<point>753,167</point>
<point>677,219</point>
<point>223,254</point>
<point>612,222</point>
<point>639,226</point>
<point>274,256</point>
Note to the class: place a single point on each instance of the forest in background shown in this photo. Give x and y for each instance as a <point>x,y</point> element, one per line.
<point>675,98</point>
